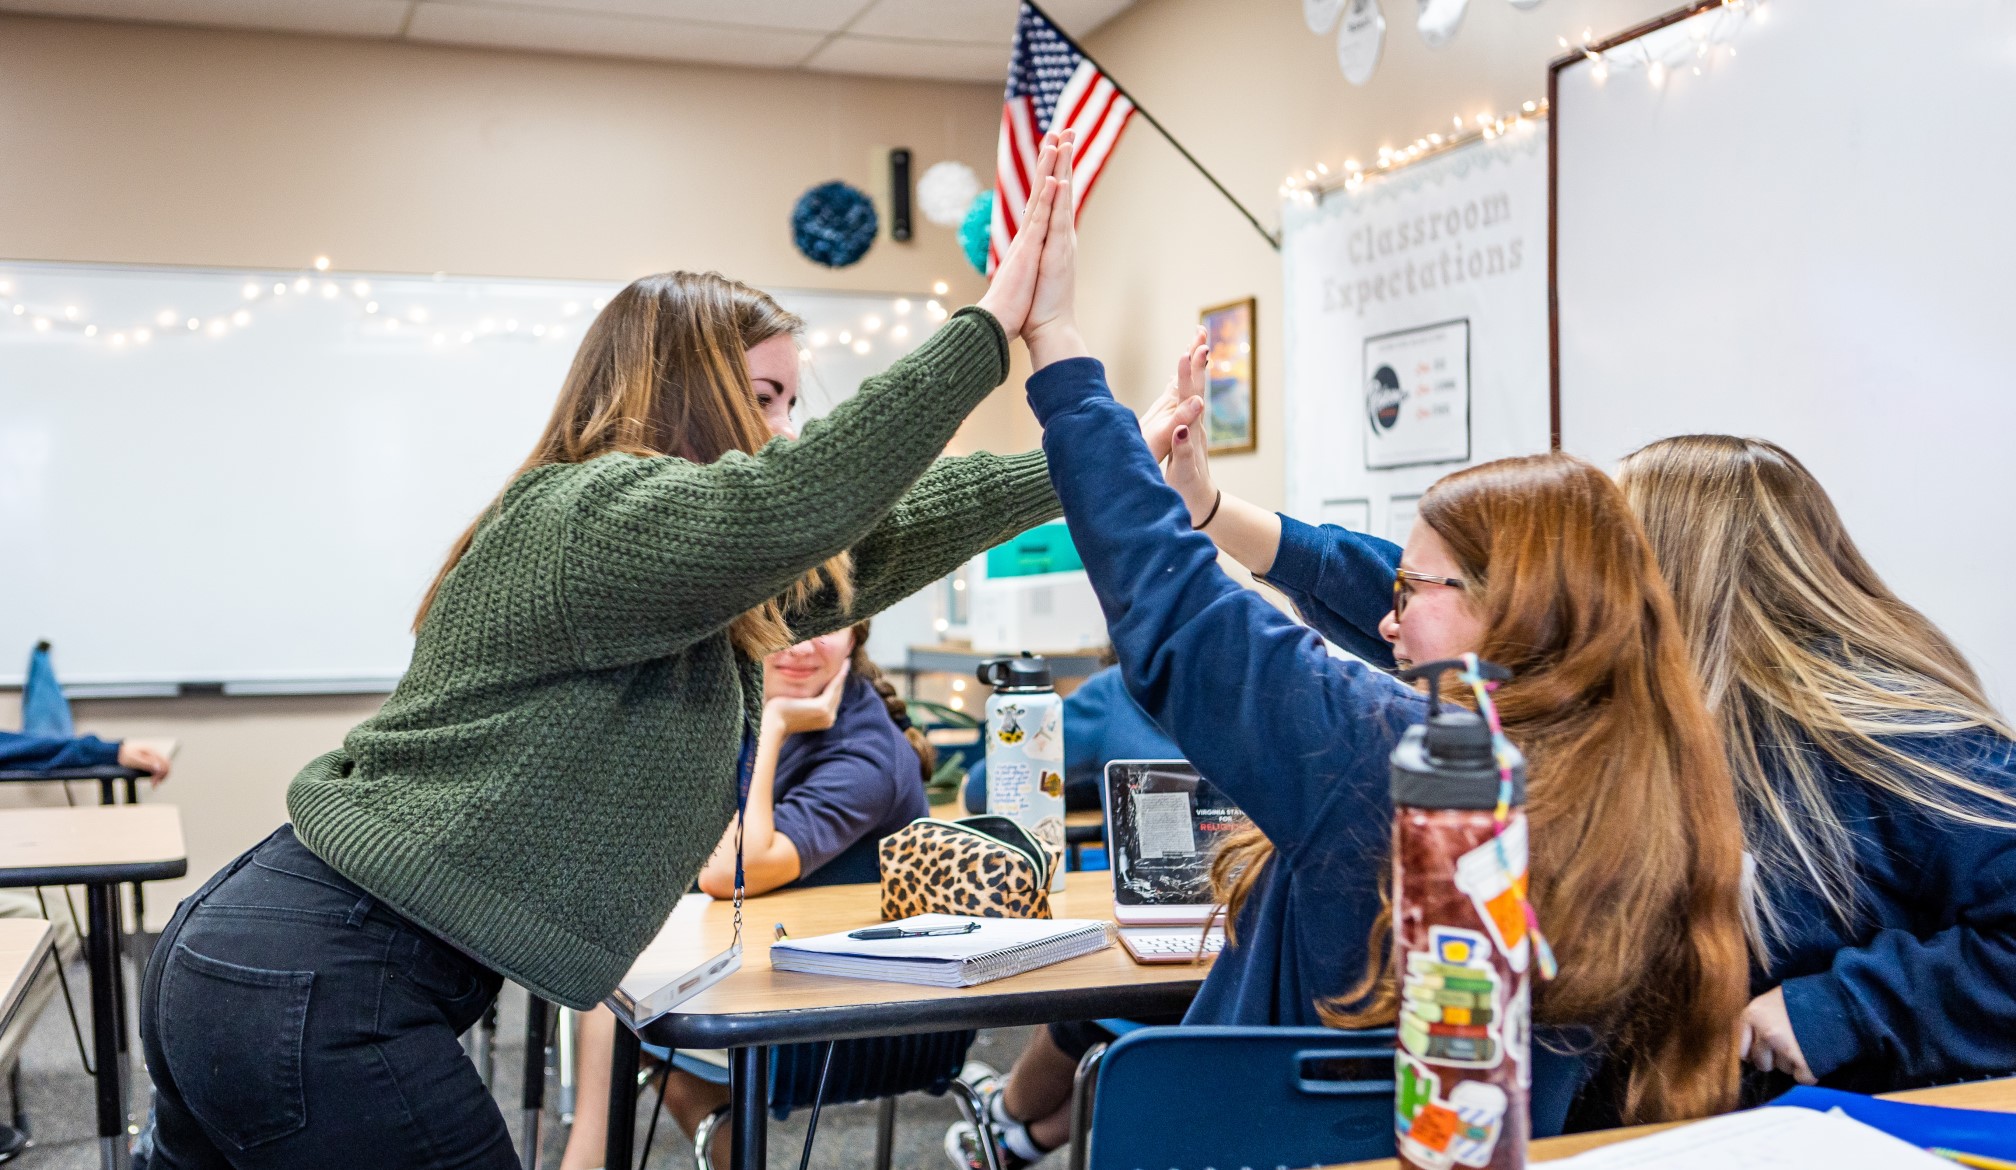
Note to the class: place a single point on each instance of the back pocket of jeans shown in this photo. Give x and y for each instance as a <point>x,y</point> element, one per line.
<point>233,1036</point>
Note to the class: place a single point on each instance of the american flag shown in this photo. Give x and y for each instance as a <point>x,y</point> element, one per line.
<point>1051,86</point>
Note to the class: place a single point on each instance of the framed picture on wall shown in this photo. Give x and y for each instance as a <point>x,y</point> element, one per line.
<point>1230,418</point>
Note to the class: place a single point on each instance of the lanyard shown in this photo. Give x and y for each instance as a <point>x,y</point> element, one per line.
<point>746,772</point>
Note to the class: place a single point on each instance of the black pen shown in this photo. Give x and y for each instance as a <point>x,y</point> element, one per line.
<point>876,933</point>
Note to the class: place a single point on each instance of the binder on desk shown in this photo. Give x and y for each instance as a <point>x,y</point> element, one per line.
<point>998,948</point>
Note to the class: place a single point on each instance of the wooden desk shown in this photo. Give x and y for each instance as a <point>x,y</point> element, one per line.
<point>97,848</point>
<point>757,1007</point>
<point>1997,1096</point>
<point>25,944</point>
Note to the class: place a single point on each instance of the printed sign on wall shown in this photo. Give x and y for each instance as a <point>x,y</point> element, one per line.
<point>1417,396</point>
<point>1417,327</point>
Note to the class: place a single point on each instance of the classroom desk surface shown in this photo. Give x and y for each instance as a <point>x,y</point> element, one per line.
<point>757,1005</point>
<point>24,946</point>
<point>100,843</point>
<point>1998,1096</point>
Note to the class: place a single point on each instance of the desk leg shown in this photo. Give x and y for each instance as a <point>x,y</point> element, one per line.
<point>533,1099</point>
<point>622,1100</point>
<point>749,1098</point>
<point>102,952</point>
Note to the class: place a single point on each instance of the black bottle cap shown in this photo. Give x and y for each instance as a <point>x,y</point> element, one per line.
<point>1447,762</point>
<point>1029,672</point>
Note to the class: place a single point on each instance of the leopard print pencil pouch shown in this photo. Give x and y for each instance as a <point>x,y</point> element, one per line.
<point>982,867</point>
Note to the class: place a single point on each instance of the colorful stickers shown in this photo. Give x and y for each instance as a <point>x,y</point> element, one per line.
<point>1440,1132</point>
<point>1452,1001</point>
<point>1494,877</point>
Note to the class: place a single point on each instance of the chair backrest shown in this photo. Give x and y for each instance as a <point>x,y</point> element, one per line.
<point>1187,1098</point>
<point>866,1070</point>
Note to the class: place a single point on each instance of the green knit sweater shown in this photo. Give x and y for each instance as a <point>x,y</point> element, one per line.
<point>561,756</point>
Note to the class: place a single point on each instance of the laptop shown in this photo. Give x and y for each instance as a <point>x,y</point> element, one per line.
<point>1163,822</point>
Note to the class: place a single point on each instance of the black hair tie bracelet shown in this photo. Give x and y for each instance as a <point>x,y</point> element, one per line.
<point>1211,515</point>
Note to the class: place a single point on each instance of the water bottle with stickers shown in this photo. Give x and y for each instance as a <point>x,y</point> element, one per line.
<point>1025,751</point>
<point>1464,947</point>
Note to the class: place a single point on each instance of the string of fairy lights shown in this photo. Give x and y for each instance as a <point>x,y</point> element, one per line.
<point>259,293</point>
<point>379,305</point>
<point>1694,45</point>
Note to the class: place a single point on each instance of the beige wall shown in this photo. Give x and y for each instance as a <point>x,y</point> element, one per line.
<point>1255,96</point>
<point>181,146</point>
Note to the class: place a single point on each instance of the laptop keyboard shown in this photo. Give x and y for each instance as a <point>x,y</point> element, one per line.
<point>1178,943</point>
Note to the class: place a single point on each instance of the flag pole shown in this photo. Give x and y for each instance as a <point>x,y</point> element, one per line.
<point>1273,238</point>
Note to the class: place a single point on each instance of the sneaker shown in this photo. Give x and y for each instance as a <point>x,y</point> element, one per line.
<point>962,1147</point>
<point>982,1078</point>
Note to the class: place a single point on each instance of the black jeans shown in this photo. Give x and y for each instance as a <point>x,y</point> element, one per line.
<point>291,1020</point>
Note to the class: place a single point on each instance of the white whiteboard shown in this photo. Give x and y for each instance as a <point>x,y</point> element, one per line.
<point>260,500</point>
<point>1811,242</point>
<point>1450,248</point>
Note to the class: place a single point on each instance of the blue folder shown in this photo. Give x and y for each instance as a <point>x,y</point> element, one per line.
<point>1970,1131</point>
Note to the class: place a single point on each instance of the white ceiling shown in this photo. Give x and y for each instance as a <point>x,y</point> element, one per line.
<point>945,40</point>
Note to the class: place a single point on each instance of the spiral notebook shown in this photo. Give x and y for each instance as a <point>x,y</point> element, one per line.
<point>999,948</point>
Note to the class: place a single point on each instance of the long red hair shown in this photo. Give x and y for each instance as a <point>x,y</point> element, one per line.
<point>1637,853</point>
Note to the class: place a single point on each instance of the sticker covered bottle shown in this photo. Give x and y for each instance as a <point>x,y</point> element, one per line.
<point>1025,751</point>
<point>1463,954</point>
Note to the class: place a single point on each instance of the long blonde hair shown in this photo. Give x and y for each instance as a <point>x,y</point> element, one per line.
<point>1637,845</point>
<point>663,371</point>
<point>1807,657</point>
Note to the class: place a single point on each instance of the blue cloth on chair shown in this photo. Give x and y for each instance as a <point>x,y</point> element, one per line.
<point>863,1070</point>
<point>44,710</point>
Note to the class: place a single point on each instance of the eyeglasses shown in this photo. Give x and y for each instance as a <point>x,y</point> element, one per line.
<point>1401,592</point>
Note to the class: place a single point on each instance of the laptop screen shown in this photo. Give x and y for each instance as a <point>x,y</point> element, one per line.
<point>1163,821</point>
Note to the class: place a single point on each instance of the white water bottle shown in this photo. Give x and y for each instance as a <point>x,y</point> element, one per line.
<point>1025,751</point>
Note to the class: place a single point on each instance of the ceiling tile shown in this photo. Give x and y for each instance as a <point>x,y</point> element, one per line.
<point>932,60</point>
<point>989,22</point>
<point>353,18</point>
<point>806,15</point>
<point>608,35</point>
<point>1081,17</point>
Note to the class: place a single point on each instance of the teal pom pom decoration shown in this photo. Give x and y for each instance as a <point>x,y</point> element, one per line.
<point>973,232</point>
<point>833,224</point>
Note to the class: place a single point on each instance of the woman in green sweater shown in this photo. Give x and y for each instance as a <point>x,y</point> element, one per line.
<point>562,753</point>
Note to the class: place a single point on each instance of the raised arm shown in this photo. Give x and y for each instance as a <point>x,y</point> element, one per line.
<point>1251,698</point>
<point>957,510</point>
<point>661,551</point>
<point>1340,581</point>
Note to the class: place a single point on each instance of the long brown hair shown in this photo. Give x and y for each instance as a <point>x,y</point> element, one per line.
<point>1800,646</point>
<point>899,711</point>
<point>662,371</point>
<point>1637,850</point>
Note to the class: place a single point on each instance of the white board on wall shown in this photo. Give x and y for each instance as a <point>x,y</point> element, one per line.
<point>260,499</point>
<point>1810,242</point>
<point>1416,334</point>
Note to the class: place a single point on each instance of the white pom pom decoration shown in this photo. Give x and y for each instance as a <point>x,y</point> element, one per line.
<point>1438,20</point>
<point>945,191</point>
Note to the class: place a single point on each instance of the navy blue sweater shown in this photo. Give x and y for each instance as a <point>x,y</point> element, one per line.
<point>41,753</point>
<point>1923,988</point>
<point>1297,738</point>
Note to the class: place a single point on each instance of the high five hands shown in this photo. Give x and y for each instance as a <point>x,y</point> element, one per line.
<point>1030,294</point>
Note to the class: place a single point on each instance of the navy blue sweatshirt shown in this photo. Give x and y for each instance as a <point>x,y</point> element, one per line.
<point>42,753</point>
<point>1297,738</point>
<point>1922,989</point>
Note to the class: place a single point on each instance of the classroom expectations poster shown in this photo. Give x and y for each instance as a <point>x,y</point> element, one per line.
<point>1416,330</point>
